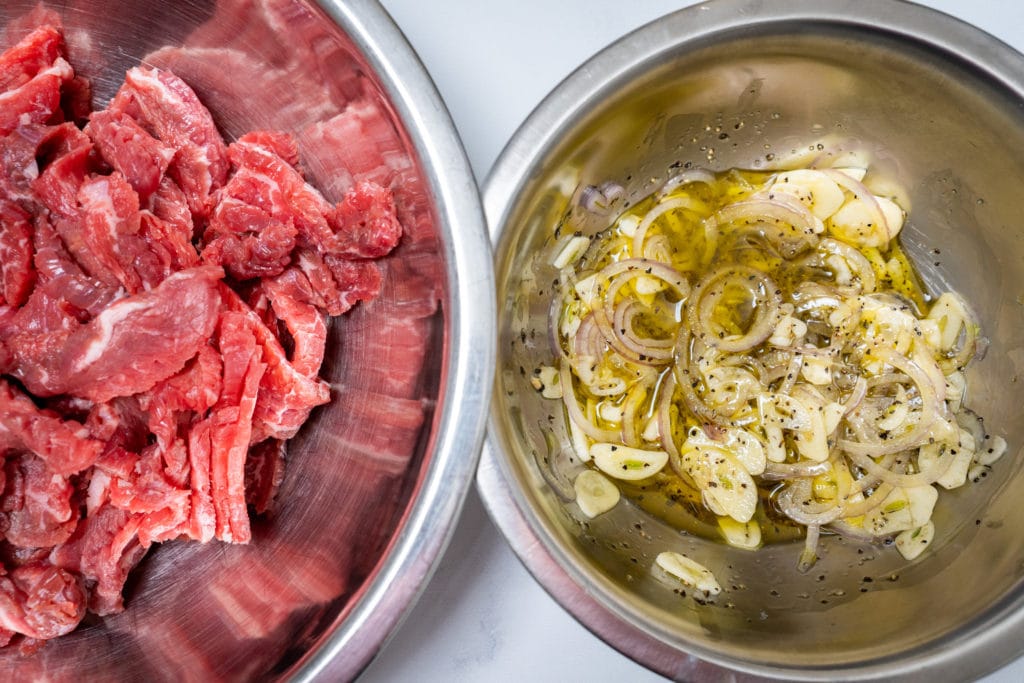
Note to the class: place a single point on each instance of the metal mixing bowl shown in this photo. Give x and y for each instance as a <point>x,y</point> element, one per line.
<point>375,480</point>
<point>939,106</point>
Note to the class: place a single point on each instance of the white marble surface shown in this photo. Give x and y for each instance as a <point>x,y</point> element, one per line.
<point>483,617</point>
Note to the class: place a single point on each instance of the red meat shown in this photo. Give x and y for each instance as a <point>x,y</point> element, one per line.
<point>286,396</point>
<point>41,601</point>
<point>36,101</point>
<point>103,549</point>
<point>232,423</point>
<point>365,223</point>
<point>128,148</point>
<point>16,272</point>
<point>305,323</point>
<point>165,106</point>
<point>142,339</point>
<point>159,392</point>
<point>37,507</point>
<point>202,523</point>
<point>264,472</point>
<point>64,445</point>
<point>34,53</point>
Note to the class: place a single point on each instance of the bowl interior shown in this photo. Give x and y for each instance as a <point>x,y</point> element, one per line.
<point>358,467</point>
<point>749,97</point>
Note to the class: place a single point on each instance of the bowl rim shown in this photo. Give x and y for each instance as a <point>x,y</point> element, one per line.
<point>428,522</point>
<point>979,647</point>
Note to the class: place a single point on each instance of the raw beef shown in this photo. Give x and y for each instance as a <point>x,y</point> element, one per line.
<point>37,100</point>
<point>165,105</point>
<point>164,307</point>
<point>16,273</point>
<point>128,148</point>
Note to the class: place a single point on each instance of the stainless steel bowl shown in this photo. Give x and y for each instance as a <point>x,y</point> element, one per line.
<point>375,480</point>
<point>940,106</point>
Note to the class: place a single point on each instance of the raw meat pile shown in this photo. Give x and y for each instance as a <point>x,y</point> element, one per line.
<point>163,305</point>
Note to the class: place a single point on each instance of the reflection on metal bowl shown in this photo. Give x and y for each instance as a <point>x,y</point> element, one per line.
<point>736,83</point>
<point>375,479</point>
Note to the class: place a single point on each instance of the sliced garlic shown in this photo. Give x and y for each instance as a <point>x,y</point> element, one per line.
<point>738,535</point>
<point>894,215</point>
<point>587,290</point>
<point>787,332</point>
<point>912,543</point>
<point>627,225</point>
<point>832,416</point>
<point>817,370</point>
<point>814,189</point>
<point>609,412</point>
<point>726,486</point>
<point>546,381</point>
<point>904,508</point>
<point>857,222</point>
<point>948,311</point>
<point>580,443</point>
<point>595,494</point>
<point>840,269</point>
<point>741,443</point>
<point>987,455</point>
<point>956,471</point>
<point>812,440</point>
<point>644,285</point>
<point>652,430</point>
<point>571,252</point>
<point>897,412</point>
<point>627,463</point>
<point>690,572</point>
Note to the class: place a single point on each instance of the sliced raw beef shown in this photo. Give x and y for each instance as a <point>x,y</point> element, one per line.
<point>232,423</point>
<point>62,280</point>
<point>170,205</point>
<point>163,504</point>
<point>53,163</point>
<point>123,425</point>
<point>37,101</point>
<point>263,208</point>
<point>306,325</point>
<point>164,303</point>
<point>286,396</point>
<point>196,388</point>
<point>247,240</point>
<point>264,471</point>
<point>166,226</point>
<point>365,223</point>
<point>31,75</point>
<point>103,549</point>
<point>139,340</point>
<point>64,445</point>
<point>62,160</point>
<point>34,336</point>
<point>202,523</point>
<point>34,53</point>
<point>16,272</point>
<point>128,148</point>
<point>37,510</point>
<point>354,281</point>
<point>105,239</point>
<point>41,601</point>
<point>164,105</point>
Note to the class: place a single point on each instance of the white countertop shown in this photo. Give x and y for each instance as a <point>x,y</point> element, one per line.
<point>483,617</point>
